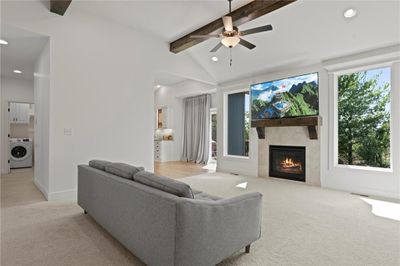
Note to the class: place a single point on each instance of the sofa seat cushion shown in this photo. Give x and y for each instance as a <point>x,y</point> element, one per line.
<point>195,191</point>
<point>165,184</point>
<point>99,164</point>
<point>123,170</point>
<point>205,196</point>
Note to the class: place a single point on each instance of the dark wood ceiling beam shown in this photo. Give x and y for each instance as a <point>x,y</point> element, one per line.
<point>59,6</point>
<point>241,15</point>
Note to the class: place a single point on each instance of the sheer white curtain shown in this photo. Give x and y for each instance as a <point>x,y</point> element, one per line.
<point>196,129</point>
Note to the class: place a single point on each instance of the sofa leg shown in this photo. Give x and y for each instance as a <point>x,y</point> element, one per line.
<point>247,250</point>
<point>84,211</point>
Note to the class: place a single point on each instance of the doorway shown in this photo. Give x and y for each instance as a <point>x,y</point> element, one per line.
<point>20,136</point>
<point>25,86</point>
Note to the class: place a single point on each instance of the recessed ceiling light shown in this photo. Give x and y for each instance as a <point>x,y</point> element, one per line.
<point>17,71</point>
<point>158,86</point>
<point>4,42</point>
<point>214,58</point>
<point>349,13</point>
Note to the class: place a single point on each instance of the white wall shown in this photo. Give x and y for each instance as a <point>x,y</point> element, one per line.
<point>249,166</point>
<point>101,89</point>
<point>12,90</point>
<point>363,181</point>
<point>369,181</point>
<point>42,136</point>
<point>172,97</point>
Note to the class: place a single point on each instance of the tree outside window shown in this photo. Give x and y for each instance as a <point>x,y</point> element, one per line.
<point>364,118</point>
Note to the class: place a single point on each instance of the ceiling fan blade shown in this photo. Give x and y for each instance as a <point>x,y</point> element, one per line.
<point>247,44</point>
<point>228,24</point>
<point>204,36</point>
<point>213,50</point>
<point>256,30</point>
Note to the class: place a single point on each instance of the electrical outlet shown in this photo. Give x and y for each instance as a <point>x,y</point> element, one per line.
<point>67,131</point>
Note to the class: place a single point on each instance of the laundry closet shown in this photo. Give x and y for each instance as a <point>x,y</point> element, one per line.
<point>21,130</point>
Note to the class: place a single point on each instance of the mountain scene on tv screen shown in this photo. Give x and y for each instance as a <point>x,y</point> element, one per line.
<point>291,97</point>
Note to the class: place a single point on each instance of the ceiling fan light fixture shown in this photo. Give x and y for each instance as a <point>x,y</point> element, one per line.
<point>230,41</point>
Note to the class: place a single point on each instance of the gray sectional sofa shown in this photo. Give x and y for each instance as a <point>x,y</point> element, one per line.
<point>163,221</point>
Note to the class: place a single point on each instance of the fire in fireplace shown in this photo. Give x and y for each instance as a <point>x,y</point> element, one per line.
<point>287,162</point>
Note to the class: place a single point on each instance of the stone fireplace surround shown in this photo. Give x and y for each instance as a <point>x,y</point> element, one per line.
<point>291,136</point>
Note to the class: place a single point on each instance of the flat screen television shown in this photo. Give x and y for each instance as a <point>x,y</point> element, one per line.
<point>290,97</point>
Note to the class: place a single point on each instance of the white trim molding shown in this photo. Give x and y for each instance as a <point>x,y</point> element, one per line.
<point>360,60</point>
<point>41,188</point>
<point>71,194</point>
<point>243,165</point>
<point>364,180</point>
<point>225,123</point>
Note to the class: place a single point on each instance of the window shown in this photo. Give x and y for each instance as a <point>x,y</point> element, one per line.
<point>238,119</point>
<point>364,118</point>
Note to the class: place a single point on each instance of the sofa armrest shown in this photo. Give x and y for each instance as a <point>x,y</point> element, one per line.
<point>209,231</point>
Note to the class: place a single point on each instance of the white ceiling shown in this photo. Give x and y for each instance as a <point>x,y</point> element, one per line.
<point>163,18</point>
<point>21,53</point>
<point>305,32</point>
<point>165,78</point>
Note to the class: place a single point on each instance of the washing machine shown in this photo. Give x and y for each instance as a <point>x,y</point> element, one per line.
<point>21,152</point>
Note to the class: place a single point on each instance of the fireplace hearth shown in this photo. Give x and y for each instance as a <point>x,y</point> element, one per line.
<point>287,162</point>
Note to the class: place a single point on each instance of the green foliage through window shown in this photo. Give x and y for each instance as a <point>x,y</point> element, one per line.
<point>364,118</point>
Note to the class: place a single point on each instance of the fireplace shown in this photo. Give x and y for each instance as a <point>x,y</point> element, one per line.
<point>287,162</point>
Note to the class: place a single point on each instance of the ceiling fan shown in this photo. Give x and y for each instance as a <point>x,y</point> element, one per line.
<point>231,36</point>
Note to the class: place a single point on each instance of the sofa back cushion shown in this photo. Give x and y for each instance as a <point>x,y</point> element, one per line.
<point>123,170</point>
<point>165,184</point>
<point>99,164</point>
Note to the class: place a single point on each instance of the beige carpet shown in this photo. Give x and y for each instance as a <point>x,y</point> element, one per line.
<point>305,225</point>
<point>302,225</point>
<point>37,232</point>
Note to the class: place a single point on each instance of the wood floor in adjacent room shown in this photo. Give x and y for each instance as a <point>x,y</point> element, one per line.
<point>179,169</point>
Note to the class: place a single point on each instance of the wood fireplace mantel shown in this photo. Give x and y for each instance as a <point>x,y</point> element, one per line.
<point>311,122</point>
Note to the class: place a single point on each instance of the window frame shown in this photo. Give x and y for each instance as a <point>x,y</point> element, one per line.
<point>213,111</point>
<point>225,125</point>
<point>335,158</point>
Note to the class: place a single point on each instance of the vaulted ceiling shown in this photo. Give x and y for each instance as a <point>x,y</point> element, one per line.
<point>305,32</point>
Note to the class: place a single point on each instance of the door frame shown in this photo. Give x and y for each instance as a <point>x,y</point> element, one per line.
<point>213,111</point>
<point>8,133</point>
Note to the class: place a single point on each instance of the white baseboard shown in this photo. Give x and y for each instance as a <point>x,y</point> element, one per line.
<point>70,194</point>
<point>41,188</point>
<point>365,191</point>
<point>242,172</point>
